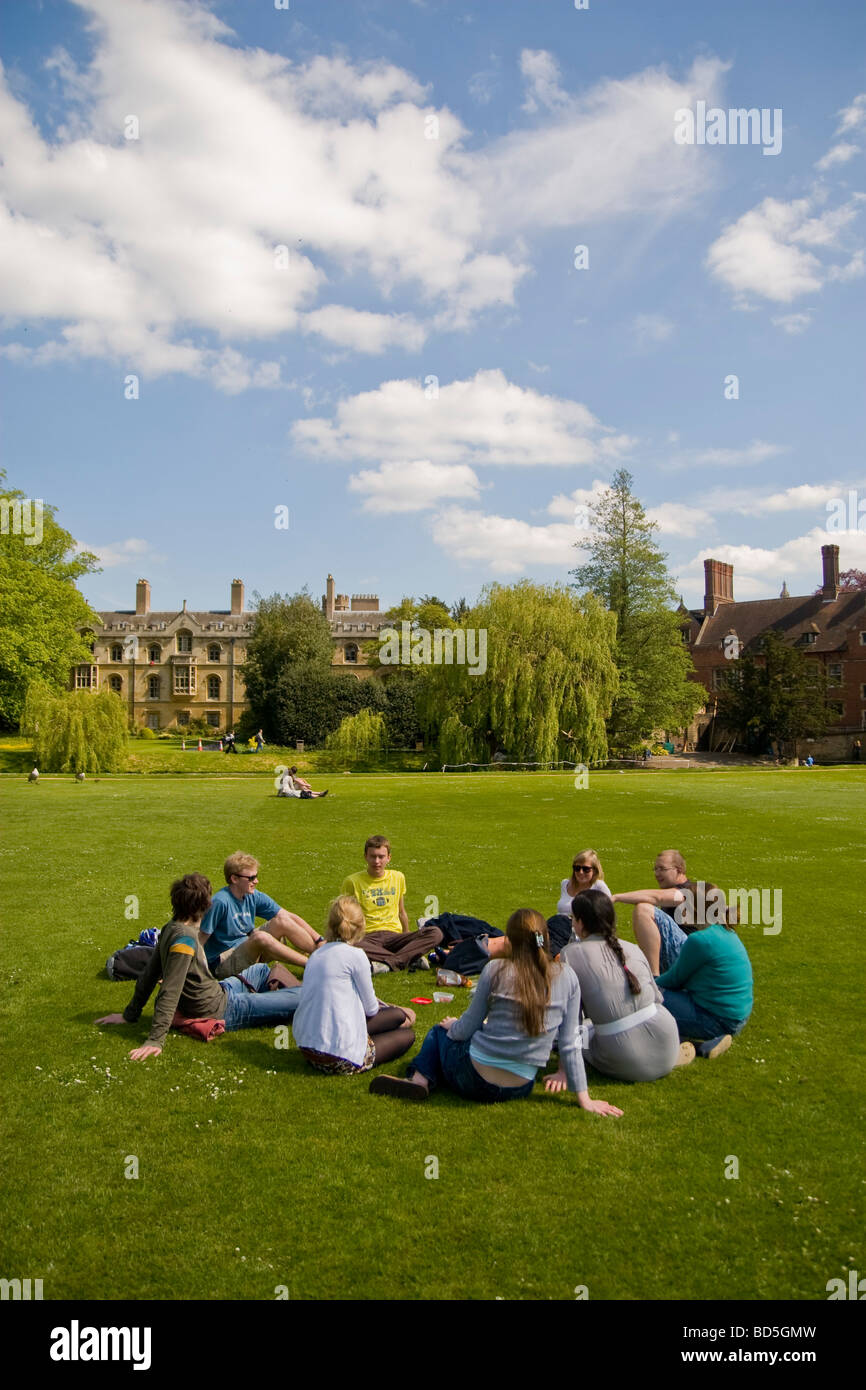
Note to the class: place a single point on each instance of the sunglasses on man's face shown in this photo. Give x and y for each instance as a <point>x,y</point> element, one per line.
<point>253,878</point>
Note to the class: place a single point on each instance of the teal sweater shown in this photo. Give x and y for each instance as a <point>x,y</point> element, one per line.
<point>714,968</point>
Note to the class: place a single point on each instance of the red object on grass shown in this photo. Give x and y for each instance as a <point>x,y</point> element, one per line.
<point>420,1001</point>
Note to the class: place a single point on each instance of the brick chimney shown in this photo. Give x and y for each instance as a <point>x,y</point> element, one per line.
<point>237,596</point>
<point>718,585</point>
<point>830,558</point>
<point>142,598</point>
<point>328,598</point>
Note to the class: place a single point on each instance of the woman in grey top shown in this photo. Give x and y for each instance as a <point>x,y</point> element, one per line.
<point>632,1036</point>
<point>520,1007</point>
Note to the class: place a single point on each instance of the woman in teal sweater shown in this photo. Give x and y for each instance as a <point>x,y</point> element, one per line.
<point>708,988</point>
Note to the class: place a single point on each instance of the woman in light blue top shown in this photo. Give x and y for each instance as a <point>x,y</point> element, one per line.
<point>522,1004</point>
<point>340,1026</point>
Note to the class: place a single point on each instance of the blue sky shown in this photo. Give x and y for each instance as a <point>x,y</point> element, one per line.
<point>335,245</point>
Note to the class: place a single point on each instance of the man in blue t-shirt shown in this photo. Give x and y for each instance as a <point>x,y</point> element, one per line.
<point>233,941</point>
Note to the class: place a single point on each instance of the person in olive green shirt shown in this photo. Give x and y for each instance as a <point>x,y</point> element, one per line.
<point>189,988</point>
<point>388,943</point>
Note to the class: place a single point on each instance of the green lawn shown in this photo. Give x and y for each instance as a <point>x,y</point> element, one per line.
<point>255,1172</point>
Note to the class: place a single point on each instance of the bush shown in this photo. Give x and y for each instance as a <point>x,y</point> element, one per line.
<point>145,732</point>
<point>309,704</point>
<point>76,731</point>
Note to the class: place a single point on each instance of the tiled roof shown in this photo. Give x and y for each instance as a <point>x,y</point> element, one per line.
<point>790,617</point>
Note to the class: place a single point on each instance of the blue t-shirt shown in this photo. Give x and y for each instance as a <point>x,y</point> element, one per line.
<point>229,920</point>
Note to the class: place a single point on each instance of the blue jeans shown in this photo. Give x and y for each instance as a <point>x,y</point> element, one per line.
<point>673,938</point>
<point>245,1010</point>
<point>446,1062</point>
<point>695,1022</point>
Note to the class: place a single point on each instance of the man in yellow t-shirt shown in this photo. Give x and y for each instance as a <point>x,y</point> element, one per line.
<point>388,944</point>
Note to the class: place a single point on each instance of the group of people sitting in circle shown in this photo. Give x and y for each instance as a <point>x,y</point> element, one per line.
<point>632,1011</point>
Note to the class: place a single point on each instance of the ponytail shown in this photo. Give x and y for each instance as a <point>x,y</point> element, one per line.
<point>595,911</point>
<point>529,969</point>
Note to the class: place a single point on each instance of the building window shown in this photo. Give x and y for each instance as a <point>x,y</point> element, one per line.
<point>184,641</point>
<point>213,687</point>
<point>115,684</point>
<point>214,652</point>
<point>184,680</point>
<point>213,718</point>
<point>153,687</point>
<point>721,677</point>
<point>834,673</point>
<point>863,692</point>
<point>351,652</point>
<point>809,638</point>
<point>154,654</point>
<point>863,639</point>
<point>153,721</point>
<point>117,652</point>
<point>836,707</point>
<point>85,677</point>
<point>183,718</point>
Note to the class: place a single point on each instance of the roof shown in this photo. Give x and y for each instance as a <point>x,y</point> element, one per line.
<point>790,617</point>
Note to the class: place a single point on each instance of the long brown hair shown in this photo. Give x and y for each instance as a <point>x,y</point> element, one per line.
<point>597,915</point>
<point>529,969</point>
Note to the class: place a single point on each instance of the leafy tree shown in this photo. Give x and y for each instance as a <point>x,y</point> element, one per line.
<point>849,581</point>
<point>309,703</point>
<point>401,711</point>
<point>360,736</point>
<point>427,612</point>
<point>289,632</point>
<point>40,607</point>
<point>548,686</point>
<point>76,731</point>
<point>777,694</point>
<point>459,610</point>
<point>627,571</point>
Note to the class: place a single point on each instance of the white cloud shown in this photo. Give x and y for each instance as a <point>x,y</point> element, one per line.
<point>853,116</point>
<point>679,519</point>
<point>505,545</point>
<point>412,487</point>
<point>800,497</point>
<point>363,331</point>
<point>483,420</point>
<point>541,74</point>
<point>121,552</point>
<point>759,572</point>
<point>756,452</point>
<point>838,154</point>
<point>651,328</point>
<point>764,252</point>
<point>793,323</point>
<point>606,154</point>
<point>575,505</point>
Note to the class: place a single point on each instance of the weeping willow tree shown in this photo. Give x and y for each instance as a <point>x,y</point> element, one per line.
<point>360,737</point>
<point>539,686</point>
<point>77,731</point>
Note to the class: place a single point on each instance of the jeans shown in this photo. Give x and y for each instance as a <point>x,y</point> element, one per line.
<point>695,1022</point>
<point>673,938</point>
<point>245,1010</point>
<point>442,1060</point>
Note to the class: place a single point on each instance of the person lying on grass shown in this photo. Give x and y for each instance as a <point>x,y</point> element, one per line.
<point>189,988</point>
<point>522,1005</point>
<point>340,1026</point>
<point>631,1036</point>
<point>663,917</point>
<point>234,941</point>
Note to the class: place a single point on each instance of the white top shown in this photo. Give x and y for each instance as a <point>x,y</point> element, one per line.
<point>336,1001</point>
<point>563,907</point>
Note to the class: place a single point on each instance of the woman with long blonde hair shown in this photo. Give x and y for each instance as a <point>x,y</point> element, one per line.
<point>522,1005</point>
<point>586,873</point>
<point>340,1026</point>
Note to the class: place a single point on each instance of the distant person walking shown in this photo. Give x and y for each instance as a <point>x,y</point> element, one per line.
<point>856,750</point>
<point>229,743</point>
<point>260,741</point>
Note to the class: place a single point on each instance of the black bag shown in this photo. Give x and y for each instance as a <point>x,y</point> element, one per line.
<point>129,963</point>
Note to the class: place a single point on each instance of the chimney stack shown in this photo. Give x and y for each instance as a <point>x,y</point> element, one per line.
<point>328,598</point>
<point>830,558</point>
<point>237,596</point>
<point>718,585</point>
<point>142,598</point>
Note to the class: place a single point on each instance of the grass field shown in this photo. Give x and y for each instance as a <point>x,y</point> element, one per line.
<point>255,1172</point>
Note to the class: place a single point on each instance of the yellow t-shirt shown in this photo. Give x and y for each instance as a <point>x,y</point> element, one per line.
<point>379,897</point>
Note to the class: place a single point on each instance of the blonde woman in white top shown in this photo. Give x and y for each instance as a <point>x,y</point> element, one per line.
<point>586,873</point>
